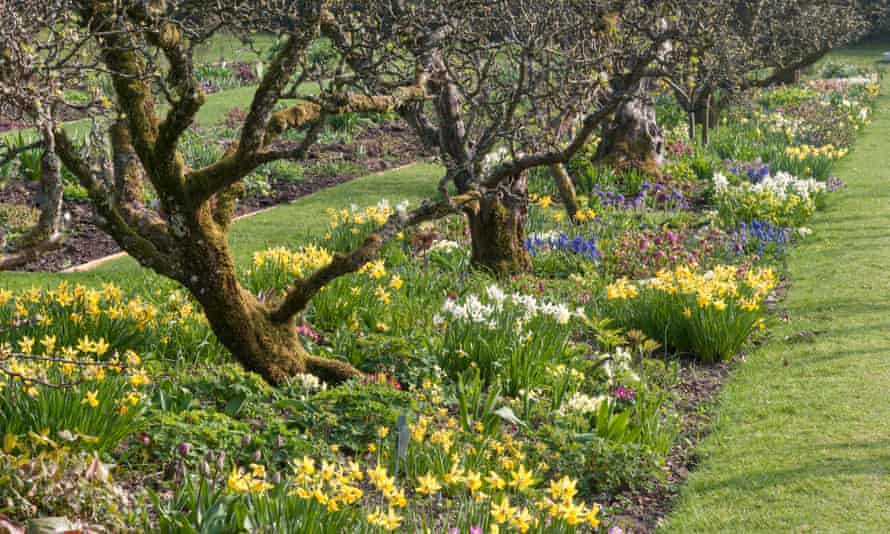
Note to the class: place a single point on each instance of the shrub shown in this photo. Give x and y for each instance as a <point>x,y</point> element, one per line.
<point>285,170</point>
<point>778,199</point>
<point>640,253</point>
<point>837,69</point>
<point>787,95</point>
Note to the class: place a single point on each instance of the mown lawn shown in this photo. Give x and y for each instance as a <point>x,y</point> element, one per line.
<point>802,435</point>
<point>285,225</point>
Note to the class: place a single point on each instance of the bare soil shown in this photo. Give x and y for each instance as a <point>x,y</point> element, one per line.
<point>640,512</point>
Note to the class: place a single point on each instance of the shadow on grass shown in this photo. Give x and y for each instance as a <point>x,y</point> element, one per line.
<point>824,467</point>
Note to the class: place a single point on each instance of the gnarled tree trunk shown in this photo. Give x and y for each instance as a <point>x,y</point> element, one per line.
<point>242,323</point>
<point>51,192</point>
<point>498,228</point>
<point>633,139</point>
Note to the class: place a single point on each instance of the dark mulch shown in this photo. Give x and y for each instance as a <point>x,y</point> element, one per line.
<point>9,122</point>
<point>388,146</point>
<point>639,512</point>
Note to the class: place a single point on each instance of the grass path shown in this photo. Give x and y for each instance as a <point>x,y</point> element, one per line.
<point>802,437</point>
<point>284,225</point>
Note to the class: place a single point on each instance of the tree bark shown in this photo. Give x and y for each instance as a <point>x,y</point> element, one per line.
<point>566,190</point>
<point>706,123</point>
<point>633,139</point>
<point>498,228</point>
<point>47,234</point>
<point>244,325</point>
<point>51,191</point>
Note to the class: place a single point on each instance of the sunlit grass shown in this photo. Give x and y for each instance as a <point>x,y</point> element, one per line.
<point>800,443</point>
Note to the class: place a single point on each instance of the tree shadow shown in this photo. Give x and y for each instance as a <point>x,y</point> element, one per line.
<point>823,467</point>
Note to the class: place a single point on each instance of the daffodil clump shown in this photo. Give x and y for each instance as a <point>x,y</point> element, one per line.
<point>811,161</point>
<point>53,395</point>
<point>509,338</point>
<point>452,474</point>
<point>71,360</point>
<point>277,268</point>
<point>709,314</point>
<point>371,300</point>
<point>780,199</point>
<point>167,326</point>
<point>804,152</point>
<point>372,499</point>
<point>347,228</point>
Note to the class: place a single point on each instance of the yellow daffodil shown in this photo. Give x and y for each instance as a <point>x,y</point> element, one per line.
<point>91,399</point>
<point>429,484</point>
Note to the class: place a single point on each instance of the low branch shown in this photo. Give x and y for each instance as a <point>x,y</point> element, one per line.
<point>274,83</point>
<point>113,220</point>
<point>783,71</point>
<point>204,183</point>
<point>303,291</point>
<point>592,122</point>
<point>554,157</point>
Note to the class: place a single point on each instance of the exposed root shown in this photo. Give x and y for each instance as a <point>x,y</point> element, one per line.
<point>331,371</point>
<point>29,254</point>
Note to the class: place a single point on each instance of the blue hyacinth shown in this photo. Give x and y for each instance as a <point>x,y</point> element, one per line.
<point>759,236</point>
<point>576,245</point>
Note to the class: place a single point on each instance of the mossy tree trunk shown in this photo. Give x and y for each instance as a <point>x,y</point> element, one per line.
<point>185,237</point>
<point>51,191</point>
<point>632,139</point>
<point>498,228</point>
<point>246,326</point>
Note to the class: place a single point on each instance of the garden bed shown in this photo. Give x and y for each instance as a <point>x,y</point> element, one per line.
<point>572,395</point>
<point>642,511</point>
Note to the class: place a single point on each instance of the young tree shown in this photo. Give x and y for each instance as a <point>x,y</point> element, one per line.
<point>513,85</point>
<point>733,45</point>
<point>145,50</point>
<point>26,98</point>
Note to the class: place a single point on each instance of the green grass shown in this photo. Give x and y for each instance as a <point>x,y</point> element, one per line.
<point>285,225</point>
<point>801,441</point>
<point>226,47</point>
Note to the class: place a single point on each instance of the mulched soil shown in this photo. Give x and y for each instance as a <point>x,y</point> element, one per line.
<point>639,512</point>
<point>388,146</point>
<point>9,122</point>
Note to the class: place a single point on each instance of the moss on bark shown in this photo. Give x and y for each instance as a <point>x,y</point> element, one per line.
<point>498,229</point>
